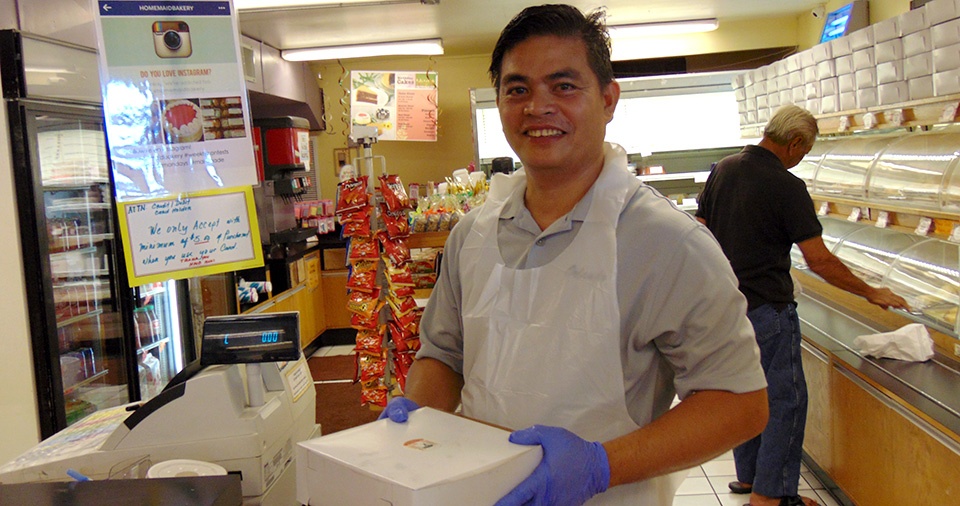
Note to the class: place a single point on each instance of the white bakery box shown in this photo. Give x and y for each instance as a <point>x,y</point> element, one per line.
<point>434,458</point>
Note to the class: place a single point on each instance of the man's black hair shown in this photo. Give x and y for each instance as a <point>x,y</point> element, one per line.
<point>561,21</point>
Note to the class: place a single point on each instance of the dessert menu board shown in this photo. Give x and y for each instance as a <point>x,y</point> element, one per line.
<point>402,106</point>
<point>172,235</point>
<point>177,118</point>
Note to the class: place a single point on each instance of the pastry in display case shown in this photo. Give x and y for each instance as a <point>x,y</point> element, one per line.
<point>911,171</point>
<point>844,168</point>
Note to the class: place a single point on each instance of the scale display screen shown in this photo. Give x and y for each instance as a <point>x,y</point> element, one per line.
<point>245,339</point>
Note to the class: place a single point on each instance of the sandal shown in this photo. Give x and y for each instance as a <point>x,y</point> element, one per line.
<point>738,487</point>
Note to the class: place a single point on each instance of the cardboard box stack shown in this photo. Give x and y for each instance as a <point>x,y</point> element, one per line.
<point>913,56</point>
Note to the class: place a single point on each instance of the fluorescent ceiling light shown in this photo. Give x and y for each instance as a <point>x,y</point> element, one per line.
<point>662,28</point>
<point>427,47</point>
<point>246,5</point>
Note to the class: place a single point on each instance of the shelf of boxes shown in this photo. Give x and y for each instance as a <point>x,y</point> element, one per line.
<point>900,72</point>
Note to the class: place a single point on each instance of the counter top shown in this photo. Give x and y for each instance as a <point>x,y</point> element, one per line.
<point>931,388</point>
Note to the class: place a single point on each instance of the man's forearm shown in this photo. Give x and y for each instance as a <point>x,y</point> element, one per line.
<point>704,425</point>
<point>432,383</point>
<point>839,275</point>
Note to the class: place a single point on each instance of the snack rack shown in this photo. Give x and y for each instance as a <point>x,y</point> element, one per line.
<point>380,287</point>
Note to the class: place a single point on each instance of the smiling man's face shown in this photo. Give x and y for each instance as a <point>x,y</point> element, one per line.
<point>553,110</point>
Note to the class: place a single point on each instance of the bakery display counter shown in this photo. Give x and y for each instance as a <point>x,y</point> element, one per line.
<point>923,270</point>
<point>874,424</point>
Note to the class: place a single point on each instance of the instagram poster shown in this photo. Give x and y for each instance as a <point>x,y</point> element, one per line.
<point>178,124</point>
<point>402,106</point>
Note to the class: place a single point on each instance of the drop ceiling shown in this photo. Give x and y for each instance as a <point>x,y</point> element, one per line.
<point>472,26</point>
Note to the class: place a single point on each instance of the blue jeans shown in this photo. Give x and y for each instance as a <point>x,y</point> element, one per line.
<point>771,461</point>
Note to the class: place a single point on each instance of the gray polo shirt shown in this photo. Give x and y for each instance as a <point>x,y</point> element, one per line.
<point>683,322</point>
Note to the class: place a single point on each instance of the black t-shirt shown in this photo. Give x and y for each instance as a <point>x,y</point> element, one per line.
<point>757,210</point>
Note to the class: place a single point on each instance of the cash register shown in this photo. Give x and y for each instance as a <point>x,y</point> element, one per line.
<point>243,406</point>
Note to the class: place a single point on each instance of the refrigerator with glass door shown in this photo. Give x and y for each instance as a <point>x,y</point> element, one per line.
<point>89,351</point>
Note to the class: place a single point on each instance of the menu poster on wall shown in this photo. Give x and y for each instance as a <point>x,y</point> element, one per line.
<point>401,105</point>
<point>186,236</point>
<point>175,103</point>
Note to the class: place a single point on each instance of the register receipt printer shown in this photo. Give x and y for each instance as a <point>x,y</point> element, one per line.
<point>204,413</point>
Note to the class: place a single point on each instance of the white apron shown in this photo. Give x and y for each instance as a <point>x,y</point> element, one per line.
<point>542,346</point>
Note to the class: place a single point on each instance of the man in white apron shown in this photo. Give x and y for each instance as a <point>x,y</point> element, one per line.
<point>576,301</point>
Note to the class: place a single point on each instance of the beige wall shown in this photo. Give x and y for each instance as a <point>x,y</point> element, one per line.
<point>19,418</point>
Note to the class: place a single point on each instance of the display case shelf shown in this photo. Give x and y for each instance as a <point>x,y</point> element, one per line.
<point>155,344</point>
<point>79,318</point>
<point>84,382</point>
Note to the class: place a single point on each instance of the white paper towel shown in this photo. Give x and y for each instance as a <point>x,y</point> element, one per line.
<point>182,468</point>
<point>911,342</point>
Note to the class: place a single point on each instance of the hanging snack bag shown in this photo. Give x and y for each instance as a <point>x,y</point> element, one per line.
<point>363,248</point>
<point>351,194</point>
<point>397,223</point>
<point>363,303</point>
<point>370,341</point>
<point>363,276</point>
<point>395,251</point>
<point>394,194</point>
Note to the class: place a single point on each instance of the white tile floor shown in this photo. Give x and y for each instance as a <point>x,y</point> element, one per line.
<point>706,485</point>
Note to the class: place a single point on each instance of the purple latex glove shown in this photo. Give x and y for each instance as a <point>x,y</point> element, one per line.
<point>397,409</point>
<point>571,472</point>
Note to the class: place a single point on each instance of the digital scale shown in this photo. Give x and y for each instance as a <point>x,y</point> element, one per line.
<point>244,406</point>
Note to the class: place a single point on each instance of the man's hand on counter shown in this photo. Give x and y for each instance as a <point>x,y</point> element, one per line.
<point>886,299</point>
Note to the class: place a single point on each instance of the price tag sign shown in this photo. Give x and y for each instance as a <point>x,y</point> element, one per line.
<point>883,219</point>
<point>955,233</point>
<point>855,215</point>
<point>824,209</point>
<point>896,117</point>
<point>923,228</point>
<point>949,112</point>
<point>844,124</point>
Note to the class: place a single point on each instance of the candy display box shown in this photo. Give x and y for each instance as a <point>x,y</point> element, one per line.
<point>434,458</point>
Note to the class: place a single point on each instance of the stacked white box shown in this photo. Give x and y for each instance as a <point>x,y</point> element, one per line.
<point>946,58</point>
<point>940,11</point>
<point>862,38</point>
<point>846,83</point>
<point>810,74</point>
<point>888,29</point>
<point>866,78</point>
<point>945,34</point>
<point>826,68</point>
<point>946,83</point>
<point>829,95</point>
<point>888,50</point>
<point>799,95</point>
<point>867,97</point>
<point>840,47</point>
<point>786,96</point>
<point>920,87</point>
<point>795,79</point>
<point>864,59</point>
<point>848,101</point>
<point>914,20</point>
<point>889,72</point>
<point>843,64</point>
<point>916,43</point>
<point>892,93</point>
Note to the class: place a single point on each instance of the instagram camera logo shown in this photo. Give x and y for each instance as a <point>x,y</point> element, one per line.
<point>171,39</point>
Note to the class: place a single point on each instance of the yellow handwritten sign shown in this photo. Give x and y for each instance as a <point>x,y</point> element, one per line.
<point>192,234</point>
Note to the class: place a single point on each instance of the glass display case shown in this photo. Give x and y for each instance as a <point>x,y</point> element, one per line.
<point>834,231</point>
<point>843,169</point>
<point>807,168</point>
<point>74,208</point>
<point>870,251</point>
<point>927,275</point>
<point>910,171</point>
